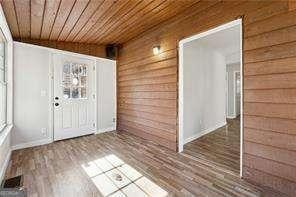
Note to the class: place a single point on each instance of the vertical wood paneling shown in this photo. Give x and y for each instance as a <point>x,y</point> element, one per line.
<point>269,82</point>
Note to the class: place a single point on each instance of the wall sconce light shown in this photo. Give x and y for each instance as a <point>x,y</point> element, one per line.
<point>156,50</point>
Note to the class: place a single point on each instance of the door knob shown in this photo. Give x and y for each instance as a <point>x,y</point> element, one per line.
<point>56,98</point>
<point>56,104</point>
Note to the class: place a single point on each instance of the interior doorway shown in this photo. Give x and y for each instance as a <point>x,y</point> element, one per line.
<point>210,96</point>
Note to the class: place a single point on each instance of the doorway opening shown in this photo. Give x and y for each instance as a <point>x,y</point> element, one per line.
<point>210,97</point>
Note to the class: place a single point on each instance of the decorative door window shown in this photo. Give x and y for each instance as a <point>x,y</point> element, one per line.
<point>74,81</point>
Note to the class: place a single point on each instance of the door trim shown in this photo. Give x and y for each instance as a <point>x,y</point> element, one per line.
<point>51,87</point>
<point>180,137</point>
<point>234,89</point>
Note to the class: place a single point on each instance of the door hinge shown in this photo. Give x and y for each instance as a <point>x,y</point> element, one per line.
<point>94,124</point>
<point>94,96</point>
<point>94,68</point>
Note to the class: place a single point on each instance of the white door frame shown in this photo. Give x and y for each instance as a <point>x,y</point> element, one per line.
<point>234,89</point>
<point>237,22</point>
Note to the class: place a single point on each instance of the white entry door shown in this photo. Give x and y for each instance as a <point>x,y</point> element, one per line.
<point>74,96</point>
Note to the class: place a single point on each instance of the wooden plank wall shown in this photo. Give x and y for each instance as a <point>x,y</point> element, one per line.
<point>87,49</point>
<point>147,84</point>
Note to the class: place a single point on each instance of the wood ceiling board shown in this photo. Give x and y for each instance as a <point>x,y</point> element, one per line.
<point>114,11</point>
<point>9,11</point>
<point>172,9</point>
<point>127,8</point>
<point>37,10</point>
<point>140,22</point>
<point>128,24</point>
<point>22,8</point>
<point>65,8</point>
<point>50,13</point>
<point>87,21</point>
<point>86,16</point>
<point>103,32</point>
<point>75,14</point>
<point>92,21</point>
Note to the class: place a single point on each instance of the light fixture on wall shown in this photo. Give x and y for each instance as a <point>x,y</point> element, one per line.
<point>156,50</point>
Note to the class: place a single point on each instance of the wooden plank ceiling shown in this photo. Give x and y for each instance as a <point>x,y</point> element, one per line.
<point>88,21</point>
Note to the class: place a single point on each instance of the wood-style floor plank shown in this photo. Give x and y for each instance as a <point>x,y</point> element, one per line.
<point>76,167</point>
<point>220,147</point>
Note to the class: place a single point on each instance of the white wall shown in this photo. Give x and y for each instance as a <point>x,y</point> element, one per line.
<point>5,148</point>
<point>106,91</point>
<point>233,58</point>
<point>231,68</point>
<point>204,90</point>
<point>31,95</point>
<point>33,100</point>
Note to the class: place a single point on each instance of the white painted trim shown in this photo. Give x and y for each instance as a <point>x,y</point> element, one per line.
<point>242,99</point>
<point>181,98</point>
<point>95,82</point>
<point>231,117</point>
<point>181,85</point>
<point>227,95</point>
<point>106,130</point>
<point>115,115</point>
<point>211,31</point>
<point>32,144</point>
<point>3,136</point>
<point>5,133</point>
<point>204,132</point>
<point>5,165</point>
<point>51,100</point>
<point>234,91</point>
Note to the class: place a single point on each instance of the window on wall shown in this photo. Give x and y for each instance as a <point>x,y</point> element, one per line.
<point>3,82</point>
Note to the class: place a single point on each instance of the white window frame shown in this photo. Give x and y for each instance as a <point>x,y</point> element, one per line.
<point>9,77</point>
<point>4,83</point>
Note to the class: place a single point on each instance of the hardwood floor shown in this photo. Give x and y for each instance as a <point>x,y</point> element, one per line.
<point>94,165</point>
<point>220,148</point>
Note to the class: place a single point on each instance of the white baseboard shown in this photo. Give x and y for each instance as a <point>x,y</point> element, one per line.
<point>31,144</point>
<point>231,117</point>
<point>5,165</point>
<point>204,132</point>
<point>106,130</point>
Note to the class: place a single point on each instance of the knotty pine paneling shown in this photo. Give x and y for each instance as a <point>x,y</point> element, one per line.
<point>87,49</point>
<point>269,29</point>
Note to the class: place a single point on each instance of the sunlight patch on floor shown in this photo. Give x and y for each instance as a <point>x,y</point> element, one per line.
<point>113,177</point>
